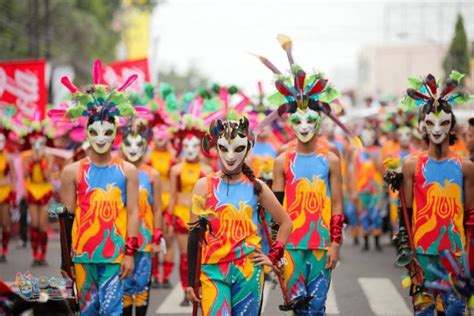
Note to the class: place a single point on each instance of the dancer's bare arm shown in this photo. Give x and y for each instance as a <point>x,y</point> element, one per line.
<point>468,172</point>
<point>68,191</point>
<point>157,214</point>
<point>408,171</point>
<point>279,174</point>
<point>270,203</point>
<point>335,182</point>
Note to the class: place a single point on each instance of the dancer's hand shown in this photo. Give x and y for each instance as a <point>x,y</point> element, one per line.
<point>66,276</point>
<point>189,292</point>
<point>126,268</point>
<point>260,259</point>
<point>332,256</point>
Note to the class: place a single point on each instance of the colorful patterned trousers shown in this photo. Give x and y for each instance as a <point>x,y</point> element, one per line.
<point>370,213</point>
<point>304,274</point>
<point>100,288</point>
<point>424,302</point>
<point>231,288</point>
<point>136,288</point>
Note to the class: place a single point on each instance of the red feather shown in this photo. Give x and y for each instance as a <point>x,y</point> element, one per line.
<point>299,79</point>
<point>430,81</point>
<point>96,71</point>
<point>283,89</point>
<point>68,84</point>
<point>450,86</point>
<point>127,83</point>
<point>318,86</point>
<point>412,93</point>
<point>269,65</point>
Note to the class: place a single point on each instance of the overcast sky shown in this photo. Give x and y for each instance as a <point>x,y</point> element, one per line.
<point>219,35</point>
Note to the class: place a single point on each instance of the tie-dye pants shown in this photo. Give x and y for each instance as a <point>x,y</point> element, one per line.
<point>370,213</point>
<point>231,288</point>
<point>304,274</point>
<point>425,302</point>
<point>100,288</point>
<point>137,285</point>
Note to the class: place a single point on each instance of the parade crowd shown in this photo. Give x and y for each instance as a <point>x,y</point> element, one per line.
<point>230,190</point>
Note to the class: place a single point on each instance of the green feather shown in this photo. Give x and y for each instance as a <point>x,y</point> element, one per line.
<point>101,92</point>
<point>456,75</point>
<point>329,95</point>
<point>149,90</point>
<point>75,111</point>
<point>277,99</point>
<point>415,83</point>
<point>165,90</point>
<point>126,109</point>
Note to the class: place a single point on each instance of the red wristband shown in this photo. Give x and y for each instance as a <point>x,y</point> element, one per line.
<point>157,235</point>
<point>469,222</point>
<point>131,246</point>
<point>336,228</point>
<point>276,252</point>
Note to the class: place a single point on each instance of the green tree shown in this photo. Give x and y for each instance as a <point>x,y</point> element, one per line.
<point>457,57</point>
<point>63,31</point>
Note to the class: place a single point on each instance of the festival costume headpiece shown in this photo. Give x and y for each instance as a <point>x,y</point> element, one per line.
<point>400,118</point>
<point>423,93</point>
<point>228,128</point>
<point>99,102</point>
<point>299,91</point>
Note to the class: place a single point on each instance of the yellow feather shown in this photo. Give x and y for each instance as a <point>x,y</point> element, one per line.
<point>285,41</point>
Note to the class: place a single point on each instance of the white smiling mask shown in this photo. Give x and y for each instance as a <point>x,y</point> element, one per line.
<point>305,124</point>
<point>404,134</point>
<point>232,154</point>
<point>191,148</point>
<point>438,126</point>
<point>134,147</point>
<point>101,135</point>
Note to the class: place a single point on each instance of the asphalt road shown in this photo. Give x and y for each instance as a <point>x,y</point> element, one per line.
<point>364,283</point>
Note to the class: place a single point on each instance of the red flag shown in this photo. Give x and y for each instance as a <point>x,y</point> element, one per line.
<point>23,84</point>
<point>116,73</point>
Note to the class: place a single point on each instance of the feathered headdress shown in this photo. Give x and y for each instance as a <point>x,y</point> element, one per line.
<point>99,101</point>
<point>299,91</point>
<point>424,94</point>
<point>229,128</point>
<point>399,118</point>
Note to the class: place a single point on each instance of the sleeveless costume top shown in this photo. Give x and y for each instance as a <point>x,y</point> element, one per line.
<point>438,211</point>
<point>308,198</point>
<point>145,208</point>
<point>36,184</point>
<point>368,178</point>
<point>100,224</point>
<point>162,161</point>
<point>235,222</point>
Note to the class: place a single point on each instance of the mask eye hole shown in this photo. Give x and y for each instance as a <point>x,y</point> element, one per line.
<point>240,149</point>
<point>429,123</point>
<point>296,121</point>
<point>311,121</point>
<point>223,149</point>
<point>140,144</point>
<point>445,123</point>
<point>93,132</point>
<point>109,132</point>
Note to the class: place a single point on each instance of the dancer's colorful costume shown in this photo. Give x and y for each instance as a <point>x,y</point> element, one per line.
<point>307,190</point>
<point>99,240</point>
<point>231,283</point>
<point>438,195</point>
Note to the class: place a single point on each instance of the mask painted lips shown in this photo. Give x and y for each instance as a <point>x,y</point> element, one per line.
<point>231,163</point>
<point>304,134</point>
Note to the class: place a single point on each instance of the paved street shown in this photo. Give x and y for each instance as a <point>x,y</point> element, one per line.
<point>363,284</point>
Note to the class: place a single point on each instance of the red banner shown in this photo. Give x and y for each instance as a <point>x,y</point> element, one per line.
<point>23,84</point>
<point>116,73</point>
